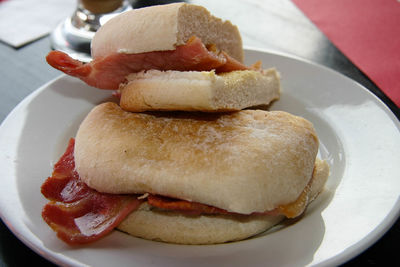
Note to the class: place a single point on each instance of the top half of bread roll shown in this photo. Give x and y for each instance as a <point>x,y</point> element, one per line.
<point>244,162</point>
<point>161,28</point>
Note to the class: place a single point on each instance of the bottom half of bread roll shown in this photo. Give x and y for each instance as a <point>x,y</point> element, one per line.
<point>176,227</point>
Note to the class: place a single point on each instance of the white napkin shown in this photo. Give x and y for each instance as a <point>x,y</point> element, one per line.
<point>23,21</point>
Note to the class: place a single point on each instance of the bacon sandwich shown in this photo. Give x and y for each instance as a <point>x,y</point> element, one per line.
<point>172,57</point>
<point>183,178</point>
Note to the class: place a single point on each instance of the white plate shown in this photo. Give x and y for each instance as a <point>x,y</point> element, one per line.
<point>359,137</point>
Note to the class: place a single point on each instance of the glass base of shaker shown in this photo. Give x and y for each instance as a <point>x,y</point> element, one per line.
<point>75,40</point>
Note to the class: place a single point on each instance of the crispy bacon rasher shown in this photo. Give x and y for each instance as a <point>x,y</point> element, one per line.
<point>77,213</point>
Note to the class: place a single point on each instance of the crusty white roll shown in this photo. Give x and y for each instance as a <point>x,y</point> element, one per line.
<point>161,28</point>
<point>244,162</point>
<point>199,91</point>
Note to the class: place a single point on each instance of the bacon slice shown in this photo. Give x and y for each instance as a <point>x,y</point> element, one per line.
<point>110,71</point>
<point>173,204</point>
<point>64,185</point>
<point>76,212</point>
<point>195,208</point>
<point>290,210</point>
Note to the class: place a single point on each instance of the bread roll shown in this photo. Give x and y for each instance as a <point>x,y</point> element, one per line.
<point>243,162</point>
<point>161,28</point>
<point>201,91</point>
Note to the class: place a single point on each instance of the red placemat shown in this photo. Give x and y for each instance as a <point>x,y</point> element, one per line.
<point>367,32</point>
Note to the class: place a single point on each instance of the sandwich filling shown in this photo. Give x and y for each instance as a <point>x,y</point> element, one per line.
<point>80,214</point>
<point>110,71</point>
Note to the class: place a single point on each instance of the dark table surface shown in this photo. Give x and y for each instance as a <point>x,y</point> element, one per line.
<point>269,24</point>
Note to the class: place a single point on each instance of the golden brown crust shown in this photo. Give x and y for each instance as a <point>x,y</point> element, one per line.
<point>247,161</point>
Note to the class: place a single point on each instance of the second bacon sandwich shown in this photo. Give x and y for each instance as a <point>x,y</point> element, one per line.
<point>173,57</point>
